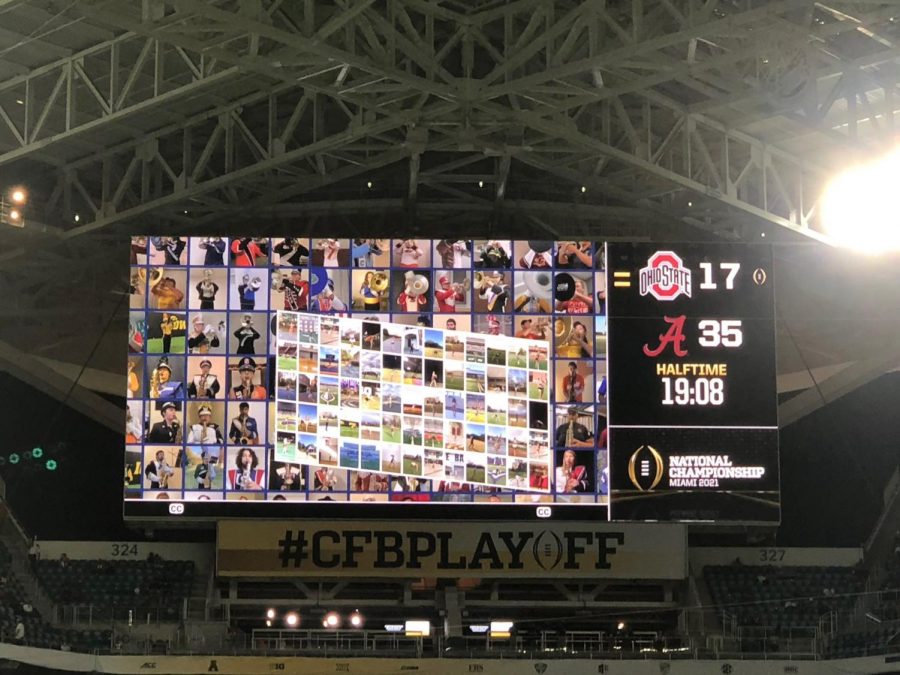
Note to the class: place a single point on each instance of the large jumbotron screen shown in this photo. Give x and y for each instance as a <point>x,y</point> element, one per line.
<point>419,378</point>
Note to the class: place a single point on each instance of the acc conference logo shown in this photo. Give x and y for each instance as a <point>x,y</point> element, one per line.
<point>665,277</point>
<point>645,468</point>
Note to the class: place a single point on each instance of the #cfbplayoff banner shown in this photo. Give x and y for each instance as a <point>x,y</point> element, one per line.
<point>360,548</point>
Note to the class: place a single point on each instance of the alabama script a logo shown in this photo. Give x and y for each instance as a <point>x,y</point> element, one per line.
<point>665,277</point>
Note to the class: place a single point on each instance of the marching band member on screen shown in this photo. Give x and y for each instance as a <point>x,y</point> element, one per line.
<point>324,479</point>
<point>206,432</point>
<point>574,255</point>
<point>204,337</point>
<point>168,430</point>
<point>287,478</point>
<point>292,251</point>
<point>245,251</point>
<point>172,248</point>
<point>246,390</point>
<point>204,385</point>
<point>494,256</point>
<point>214,248</point>
<point>134,384</point>
<point>412,299</point>
<point>246,336</point>
<point>579,339</point>
<point>247,290</point>
<point>295,289</point>
<point>371,296</point>
<point>206,291</point>
<point>448,294</point>
<point>538,256</point>
<point>244,430</point>
<point>410,253</point>
<point>495,291</point>
<point>161,383</point>
<point>246,475</point>
<point>569,477</point>
<point>158,472</point>
<point>573,384</point>
<point>365,250</point>
<point>580,303</point>
<point>205,473</point>
<point>327,302</point>
<point>167,294</point>
<point>331,248</point>
<point>454,253</point>
<point>573,433</point>
<point>133,431</point>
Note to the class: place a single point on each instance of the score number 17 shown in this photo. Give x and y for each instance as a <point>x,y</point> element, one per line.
<point>709,285</point>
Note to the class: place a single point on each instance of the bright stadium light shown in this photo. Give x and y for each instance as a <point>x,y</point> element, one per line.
<point>270,613</point>
<point>858,208</point>
<point>292,619</point>
<point>18,195</point>
<point>332,620</point>
<point>356,619</point>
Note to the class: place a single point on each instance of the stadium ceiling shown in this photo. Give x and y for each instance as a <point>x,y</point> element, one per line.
<point>690,119</point>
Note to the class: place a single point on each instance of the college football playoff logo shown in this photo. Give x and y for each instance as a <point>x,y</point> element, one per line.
<point>645,468</point>
<point>665,277</point>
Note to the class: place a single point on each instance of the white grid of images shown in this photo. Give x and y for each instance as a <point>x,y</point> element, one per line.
<point>412,401</point>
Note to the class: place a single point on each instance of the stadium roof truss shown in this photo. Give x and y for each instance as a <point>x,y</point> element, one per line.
<point>625,118</point>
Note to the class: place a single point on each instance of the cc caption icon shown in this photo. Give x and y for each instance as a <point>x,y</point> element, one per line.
<point>544,512</point>
<point>176,509</point>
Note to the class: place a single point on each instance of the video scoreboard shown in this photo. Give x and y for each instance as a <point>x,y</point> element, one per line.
<point>693,426</point>
<point>423,378</point>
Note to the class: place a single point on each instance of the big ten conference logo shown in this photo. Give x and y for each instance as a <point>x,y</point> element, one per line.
<point>646,468</point>
<point>665,277</point>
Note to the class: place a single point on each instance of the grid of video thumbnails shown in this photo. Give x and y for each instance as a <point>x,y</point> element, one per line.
<point>366,370</point>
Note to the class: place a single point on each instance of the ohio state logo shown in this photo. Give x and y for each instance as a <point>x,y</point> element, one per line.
<point>665,277</point>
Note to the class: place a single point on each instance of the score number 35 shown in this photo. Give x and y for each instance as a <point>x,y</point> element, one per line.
<point>725,333</point>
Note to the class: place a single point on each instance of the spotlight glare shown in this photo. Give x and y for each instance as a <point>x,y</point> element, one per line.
<point>14,458</point>
<point>481,183</point>
<point>620,625</point>
<point>369,185</point>
<point>332,620</point>
<point>37,453</point>
<point>356,619</point>
<point>14,215</point>
<point>270,613</point>
<point>268,623</point>
<point>18,196</point>
<point>292,619</point>
<point>77,217</point>
<point>51,465</point>
<point>583,189</point>
<point>858,210</point>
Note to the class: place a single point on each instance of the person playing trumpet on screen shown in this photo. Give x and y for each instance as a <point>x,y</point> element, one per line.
<point>244,430</point>
<point>295,289</point>
<point>410,253</point>
<point>204,336</point>
<point>448,294</point>
<point>214,248</point>
<point>166,292</point>
<point>246,336</point>
<point>205,432</point>
<point>574,255</point>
